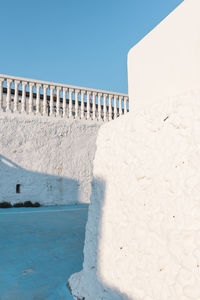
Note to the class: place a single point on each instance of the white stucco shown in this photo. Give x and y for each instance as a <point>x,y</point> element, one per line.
<point>51,159</point>
<point>167,61</point>
<point>142,238</point>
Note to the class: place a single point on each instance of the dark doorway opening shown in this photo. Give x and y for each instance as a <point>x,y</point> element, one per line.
<point>18,188</point>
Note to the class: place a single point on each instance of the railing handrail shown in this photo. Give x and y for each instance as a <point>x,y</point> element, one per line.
<point>62,85</point>
<point>44,98</point>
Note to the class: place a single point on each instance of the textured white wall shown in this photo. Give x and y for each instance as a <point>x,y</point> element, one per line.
<point>143,231</point>
<point>167,61</point>
<point>50,158</point>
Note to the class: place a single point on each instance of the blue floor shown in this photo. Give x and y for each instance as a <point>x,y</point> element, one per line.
<point>39,249</point>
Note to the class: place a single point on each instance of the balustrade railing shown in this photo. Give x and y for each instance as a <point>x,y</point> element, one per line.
<point>34,97</point>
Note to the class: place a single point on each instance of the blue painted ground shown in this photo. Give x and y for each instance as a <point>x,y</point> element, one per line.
<point>39,249</point>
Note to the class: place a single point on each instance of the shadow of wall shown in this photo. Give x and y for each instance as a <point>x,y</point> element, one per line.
<point>18,185</point>
<point>89,283</point>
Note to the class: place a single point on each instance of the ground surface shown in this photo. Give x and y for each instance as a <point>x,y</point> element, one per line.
<point>39,249</point>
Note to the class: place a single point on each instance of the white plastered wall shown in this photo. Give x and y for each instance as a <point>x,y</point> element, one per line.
<point>167,61</point>
<point>51,159</point>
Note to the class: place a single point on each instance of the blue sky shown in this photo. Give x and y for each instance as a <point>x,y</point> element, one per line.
<point>77,42</point>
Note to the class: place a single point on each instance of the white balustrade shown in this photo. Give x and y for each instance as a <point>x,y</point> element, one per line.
<point>110,108</point>
<point>115,106</point>
<point>120,105</point>
<point>64,102</point>
<point>93,105</point>
<point>88,105</point>
<point>76,103</point>
<point>1,94</point>
<point>8,97</point>
<point>104,107</point>
<point>31,85</point>
<point>38,86</point>
<point>58,101</point>
<point>99,107</point>
<point>45,112</point>
<point>51,101</point>
<point>23,107</point>
<point>36,100</point>
<point>125,105</point>
<point>17,82</point>
<point>82,104</point>
<point>70,103</point>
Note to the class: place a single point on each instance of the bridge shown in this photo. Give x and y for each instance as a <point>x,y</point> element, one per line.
<point>42,98</point>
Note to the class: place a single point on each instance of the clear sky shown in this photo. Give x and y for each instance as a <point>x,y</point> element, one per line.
<point>77,42</point>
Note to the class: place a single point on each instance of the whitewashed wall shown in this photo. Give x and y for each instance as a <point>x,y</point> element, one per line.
<point>50,158</point>
<point>143,231</point>
<point>167,61</point>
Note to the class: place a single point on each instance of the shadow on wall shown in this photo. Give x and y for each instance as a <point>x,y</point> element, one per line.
<point>91,284</point>
<point>18,185</point>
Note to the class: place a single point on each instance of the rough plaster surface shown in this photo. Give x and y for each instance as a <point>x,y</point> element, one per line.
<point>143,232</point>
<point>50,158</point>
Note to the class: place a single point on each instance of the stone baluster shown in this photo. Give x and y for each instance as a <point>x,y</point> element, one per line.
<point>94,105</point>
<point>1,94</point>
<point>120,105</point>
<point>82,104</point>
<point>110,108</point>
<point>104,108</point>
<point>31,85</point>
<point>45,87</point>
<point>70,102</point>
<point>15,109</point>
<point>58,101</point>
<point>23,107</point>
<point>8,97</point>
<point>38,86</point>
<point>99,107</point>
<point>51,101</point>
<point>125,105</point>
<point>88,105</point>
<point>115,106</point>
<point>64,102</point>
<point>76,103</point>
